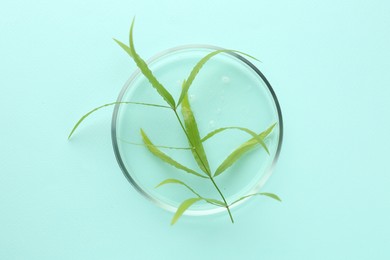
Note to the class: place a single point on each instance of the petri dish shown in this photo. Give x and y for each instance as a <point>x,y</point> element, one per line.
<point>228,91</point>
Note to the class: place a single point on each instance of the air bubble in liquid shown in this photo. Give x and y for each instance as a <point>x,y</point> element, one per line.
<point>225,79</point>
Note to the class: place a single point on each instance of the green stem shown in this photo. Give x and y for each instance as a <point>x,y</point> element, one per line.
<point>223,197</point>
<point>208,173</point>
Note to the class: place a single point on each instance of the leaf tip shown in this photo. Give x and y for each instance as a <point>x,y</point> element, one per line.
<point>256,59</point>
<point>159,185</point>
<point>116,40</point>
<point>131,31</point>
<point>175,219</point>
<point>71,132</point>
<point>272,195</point>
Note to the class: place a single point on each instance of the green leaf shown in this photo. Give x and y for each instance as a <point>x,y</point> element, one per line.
<point>270,195</point>
<point>215,202</point>
<point>157,146</point>
<point>168,181</point>
<point>183,207</point>
<point>124,47</point>
<point>141,64</point>
<point>256,136</point>
<point>198,67</point>
<point>106,105</point>
<point>176,181</point>
<point>194,138</point>
<point>241,150</point>
<point>155,151</point>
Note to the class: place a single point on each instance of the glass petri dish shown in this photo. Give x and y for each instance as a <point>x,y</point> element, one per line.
<point>228,91</point>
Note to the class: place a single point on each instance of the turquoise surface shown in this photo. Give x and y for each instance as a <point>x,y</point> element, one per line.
<point>328,62</point>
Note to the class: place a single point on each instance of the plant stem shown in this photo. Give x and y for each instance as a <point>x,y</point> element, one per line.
<point>184,130</point>
<point>208,173</point>
<point>223,197</point>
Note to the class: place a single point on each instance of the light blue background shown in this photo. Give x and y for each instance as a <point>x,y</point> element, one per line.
<point>328,62</point>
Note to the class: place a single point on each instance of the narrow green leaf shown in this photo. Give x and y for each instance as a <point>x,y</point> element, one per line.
<point>169,181</point>
<point>199,66</point>
<point>194,138</point>
<point>215,202</point>
<point>176,181</point>
<point>124,47</point>
<point>141,64</point>
<point>240,151</point>
<point>155,151</point>
<point>157,146</point>
<point>217,131</point>
<point>106,105</point>
<point>270,195</point>
<point>182,208</point>
<point>253,134</point>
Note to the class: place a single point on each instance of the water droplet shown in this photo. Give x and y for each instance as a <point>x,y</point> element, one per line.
<point>225,79</point>
<point>211,123</point>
